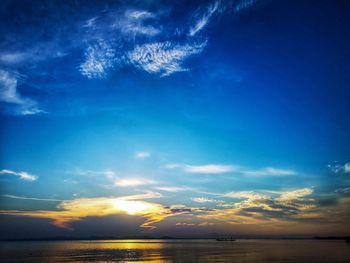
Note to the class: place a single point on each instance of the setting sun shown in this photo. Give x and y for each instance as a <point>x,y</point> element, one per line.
<point>131,207</point>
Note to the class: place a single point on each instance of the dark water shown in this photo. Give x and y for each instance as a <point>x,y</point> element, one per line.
<point>176,251</point>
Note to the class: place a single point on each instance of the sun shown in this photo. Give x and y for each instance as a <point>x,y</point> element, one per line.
<point>131,207</point>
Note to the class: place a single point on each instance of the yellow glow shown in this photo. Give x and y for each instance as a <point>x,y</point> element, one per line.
<point>131,207</point>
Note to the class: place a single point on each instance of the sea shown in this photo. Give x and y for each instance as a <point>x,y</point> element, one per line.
<point>242,251</point>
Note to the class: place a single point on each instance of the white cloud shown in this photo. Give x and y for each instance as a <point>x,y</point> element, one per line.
<point>13,58</point>
<point>90,22</point>
<point>294,195</point>
<point>339,168</point>
<point>220,168</point>
<point>39,53</point>
<point>203,200</point>
<point>22,175</point>
<point>134,23</point>
<point>244,195</point>
<point>142,155</point>
<point>133,182</point>
<point>99,58</point>
<point>163,58</point>
<point>109,174</point>
<point>203,169</point>
<point>244,4</point>
<point>194,224</point>
<point>209,168</point>
<point>203,21</point>
<point>9,95</point>
<point>269,171</point>
<point>173,188</point>
<point>32,198</point>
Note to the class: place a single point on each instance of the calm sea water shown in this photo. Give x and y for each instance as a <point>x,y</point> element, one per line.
<point>243,251</point>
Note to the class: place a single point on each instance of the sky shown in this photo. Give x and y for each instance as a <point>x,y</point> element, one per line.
<point>179,118</point>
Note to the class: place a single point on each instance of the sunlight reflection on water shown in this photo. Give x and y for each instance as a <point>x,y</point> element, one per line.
<point>176,250</point>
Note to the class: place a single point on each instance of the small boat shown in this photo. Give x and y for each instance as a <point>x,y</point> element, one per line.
<point>226,239</point>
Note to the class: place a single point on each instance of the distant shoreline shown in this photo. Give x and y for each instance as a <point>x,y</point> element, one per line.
<point>97,238</point>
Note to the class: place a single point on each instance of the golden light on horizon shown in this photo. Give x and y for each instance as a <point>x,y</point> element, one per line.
<point>131,207</point>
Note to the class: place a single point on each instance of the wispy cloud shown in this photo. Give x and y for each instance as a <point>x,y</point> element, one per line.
<point>142,155</point>
<point>194,224</point>
<point>244,195</point>
<point>39,53</point>
<point>136,37</point>
<point>135,23</point>
<point>9,95</point>
<point>133,182</point>
<point>173,188</point>
<point>269,171</point>
<point>32,198</point>
<point>224,168</point>
<point>347,168</point>
<point>204,19</point>
<point>262,208</point>
<point>109,174</point>
<point>76,209</point>
<point>244,4</point>
<point>337,167</point>
<point>203,169</point>
<point>163,58</point>
<point>22,175</point>
<point>99,58</point>
<point>209,168</point>
<point>203,200</point>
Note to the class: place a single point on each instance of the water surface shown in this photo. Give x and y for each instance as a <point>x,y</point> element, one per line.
<point>244,251</point>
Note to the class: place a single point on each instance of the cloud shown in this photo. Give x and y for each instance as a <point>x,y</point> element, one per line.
<point>173,188</point>
<point>76,209</point>
<point>257,208</point>
<point>294,195</point>
<point>133,182</point>
<point>203,169</point>
<point>339,168</point>
<point>209,168</point>
<point>142,155</point>
<point>134,23</point>
<point>221,168</point>
<point>109,174</point>
<point>32,198</point>
<point>136,37</point>
<point>114,178</point>
<point>244,4</point>
<point>39,53</point>
<point>244,195</point>
<point>194,224</point>
<point>204,19</point>
<point>90,23</point>
<point>269,171</point>
<point>22,175</point>
<point>184,224</point>
<point>99,58</point>
<point>13,57</point>
<point>203,200</point>
<point>164,58</point>
<point>10,96</point>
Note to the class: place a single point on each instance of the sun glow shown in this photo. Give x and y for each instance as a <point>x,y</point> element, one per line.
<point>132,207</point>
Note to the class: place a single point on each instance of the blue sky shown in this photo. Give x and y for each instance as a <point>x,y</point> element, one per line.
<point>187,118</point>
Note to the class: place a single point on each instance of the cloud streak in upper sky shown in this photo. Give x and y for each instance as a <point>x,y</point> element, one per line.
<point>22,175</point>
<point>163,58</point>
<point>204,19</point>
<point>224,168</point>
<point>10,95</point>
